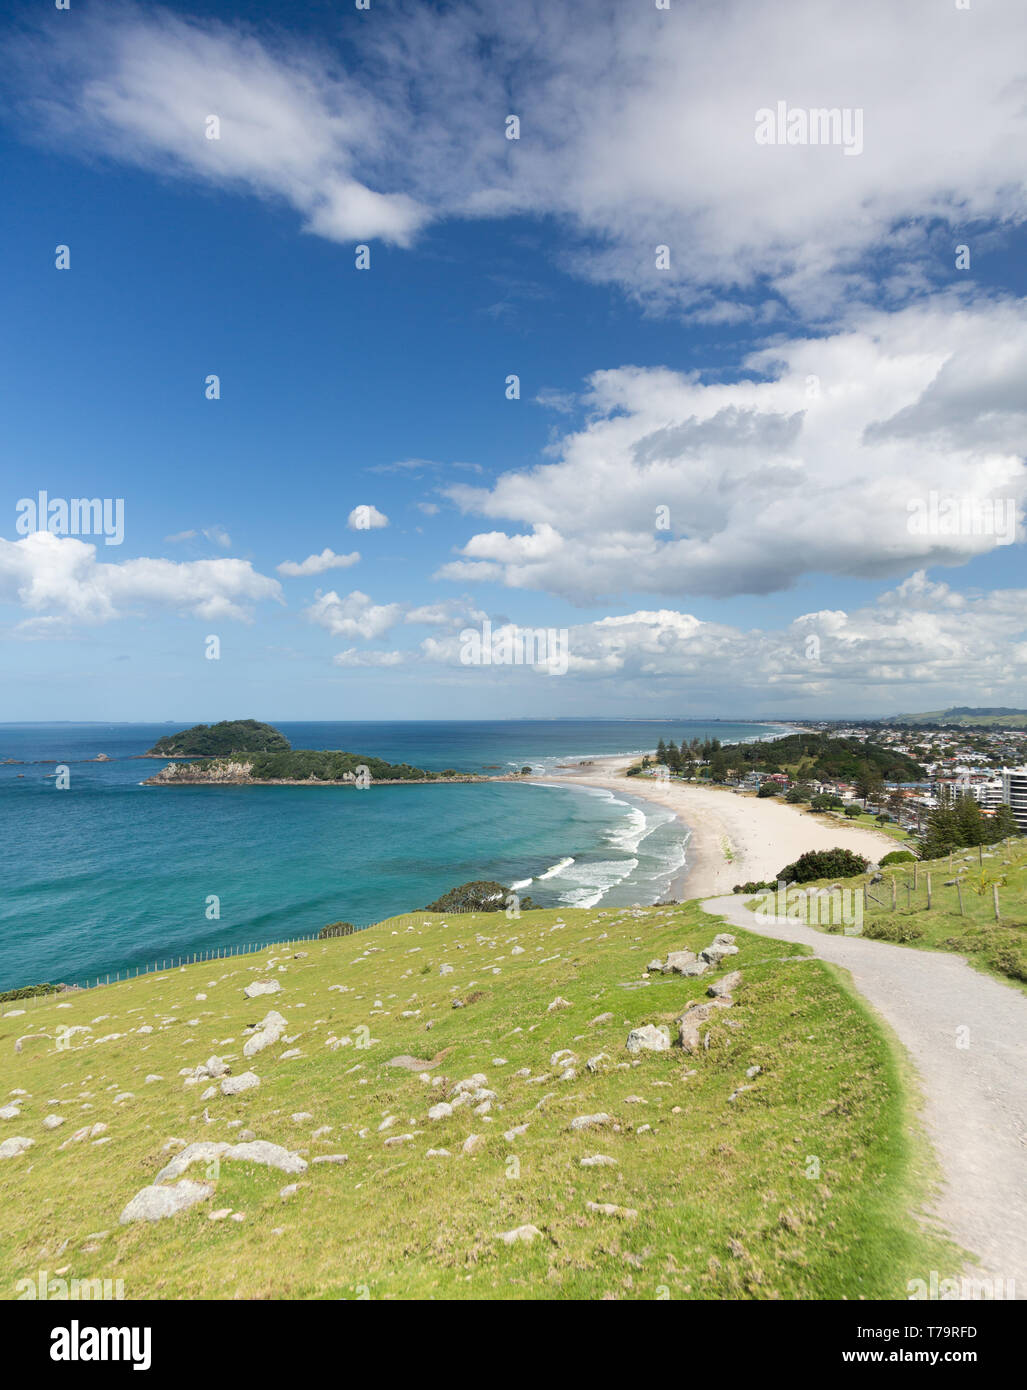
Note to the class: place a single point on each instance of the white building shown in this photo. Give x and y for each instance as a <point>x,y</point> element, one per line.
<point>1014,793</point>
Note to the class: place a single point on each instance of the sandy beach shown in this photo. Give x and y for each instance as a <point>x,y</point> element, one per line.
<point>734,839</point>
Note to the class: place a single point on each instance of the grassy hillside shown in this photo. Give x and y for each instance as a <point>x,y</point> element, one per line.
<point>802,1185</point>
<point>966,716</point>
<point>997,948</point>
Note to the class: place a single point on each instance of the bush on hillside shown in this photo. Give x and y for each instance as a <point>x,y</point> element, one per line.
<point>897,856</point>
<point>899,930</point>
<point>336,929</point>
<point>823,863</point>
<point>481,895</point>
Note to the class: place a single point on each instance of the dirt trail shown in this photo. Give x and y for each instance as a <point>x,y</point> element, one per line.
<point>975,1096</point>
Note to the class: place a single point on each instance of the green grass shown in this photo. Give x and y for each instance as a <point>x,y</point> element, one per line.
<point>805,1186</point>
<point>996,948</point>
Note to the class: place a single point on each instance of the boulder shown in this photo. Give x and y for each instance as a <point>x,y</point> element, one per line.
<point>648,1038</point>
<point>15,1146</point>
<point>725,986</point>
<point>155,1203</point>
<point>676,962</point>
<point>235,1085</point>
<point>259,987</point>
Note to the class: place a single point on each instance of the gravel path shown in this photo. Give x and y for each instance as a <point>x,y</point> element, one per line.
<point>975,1096</point>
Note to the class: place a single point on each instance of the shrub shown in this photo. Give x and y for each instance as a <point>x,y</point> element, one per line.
<point>336,929</point>
<point>768,789</point>
<point>481,895</point>
<point>823,863</point>
<point>1011,961</point>
<point>897,856</point>
<point>794,796</point>
<point>893,931</point>
<point>825,802</point>
<point>28,992</point>
<point>852,810</point>
<point>753,887</point>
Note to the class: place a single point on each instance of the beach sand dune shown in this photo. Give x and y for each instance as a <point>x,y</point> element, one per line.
<point>734,838</point>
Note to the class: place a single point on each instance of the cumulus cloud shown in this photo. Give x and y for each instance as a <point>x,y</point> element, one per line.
<point>820,459</point>
<point>60,578</point>
<point>366,518</point>
<point>656,147</point>
<point>919,641</point>
<point>318,564</point>
<point>353,616</point>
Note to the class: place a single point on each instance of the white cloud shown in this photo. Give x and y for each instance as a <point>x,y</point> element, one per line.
<point>918,642</point>
<point>353,616</point>
<point>353,656</point>
<point>655,148</point>
<point>61,578</point>
<point>318,564</point>
<point>814,463</point>
<point>366,518</point>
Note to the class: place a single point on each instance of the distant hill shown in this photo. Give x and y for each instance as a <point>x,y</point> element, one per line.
<point>983,716</point>
<point>218,740</point>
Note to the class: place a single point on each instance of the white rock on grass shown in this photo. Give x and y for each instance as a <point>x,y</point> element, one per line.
<point>259,987</point>
<point>53,1121</point>
<point>648,1038</point>
<point>155,1203</point>
<point>269,1030</point>
<point>235,1085</point>
<point>598,1161</point>
<point>14,1147</point>
<point>438,1153</point>
<point>608,1209</point>
<point>519,1233</point>
<point>590,1121</point>
<point>208,1151</point>
<point>442,1111</point>
<point>331,1158</point>
<point>558,1003</point>
<point>10,1112</point>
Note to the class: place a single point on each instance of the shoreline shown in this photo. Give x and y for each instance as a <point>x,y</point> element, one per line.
<point>732,838</point>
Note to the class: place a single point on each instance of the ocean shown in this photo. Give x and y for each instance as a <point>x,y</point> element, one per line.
<point>109,876</point>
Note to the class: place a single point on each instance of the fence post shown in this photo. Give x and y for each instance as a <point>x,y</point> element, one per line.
<point>893,893</point>
<point>994,890</point>
<point>928,890</point>
<point>959,895</point>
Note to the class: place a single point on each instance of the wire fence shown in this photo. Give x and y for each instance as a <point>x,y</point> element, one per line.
<point>214,953</point>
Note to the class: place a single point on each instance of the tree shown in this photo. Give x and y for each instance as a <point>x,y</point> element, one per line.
<point>768,789</point>
<point>479,896</point>
<point>661,752</point>
<point>869,782</point>
<point>852,810</point>
<point>1003,824</point>
<point>823,863</point>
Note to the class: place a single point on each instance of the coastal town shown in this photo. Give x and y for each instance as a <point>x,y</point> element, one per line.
<point>988,764</point>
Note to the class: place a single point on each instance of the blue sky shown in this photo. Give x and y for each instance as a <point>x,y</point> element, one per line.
<point>809,366</point>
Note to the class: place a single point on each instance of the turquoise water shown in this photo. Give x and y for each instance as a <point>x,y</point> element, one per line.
<point>108,875</point>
